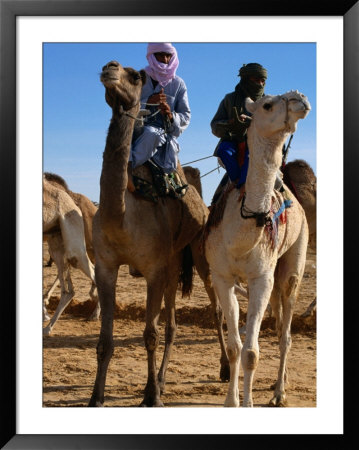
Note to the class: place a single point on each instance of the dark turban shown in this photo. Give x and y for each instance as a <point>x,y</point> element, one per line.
<point>252,69</point>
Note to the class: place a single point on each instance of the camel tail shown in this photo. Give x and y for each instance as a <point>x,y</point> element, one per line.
<point>186,275</point>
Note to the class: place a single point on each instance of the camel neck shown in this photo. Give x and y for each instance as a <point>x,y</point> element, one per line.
<point>265,156</point>
<point>114,167</point>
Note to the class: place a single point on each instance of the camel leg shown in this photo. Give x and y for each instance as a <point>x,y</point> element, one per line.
<point>259,292</point>
<point>277,310</point>
<point>106,277</point>
<point>204,273</point>
<point>155,290</point>
<point>309,311</point>
<point>291,269</point>
<point>229,303</point>
<point>49,293</point>
<point>171,326</point>
<point>72,230</point>
<point>57,252</point>
<point>45,316</point>
<point>276,304</point>
<point>95,315</point>
<point>67,294</point>
<point>47,297</point>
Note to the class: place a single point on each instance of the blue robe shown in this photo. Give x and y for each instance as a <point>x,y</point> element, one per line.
<point>159,139</point>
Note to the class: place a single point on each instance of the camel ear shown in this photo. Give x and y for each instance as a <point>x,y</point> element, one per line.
<point>250,105</point>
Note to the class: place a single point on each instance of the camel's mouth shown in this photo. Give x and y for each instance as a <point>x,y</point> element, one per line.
<point>108,80</point>
<point>299,102</point>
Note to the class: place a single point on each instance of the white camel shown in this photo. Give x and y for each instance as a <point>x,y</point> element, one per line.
<point>261,231</point>
<point>63,229</point>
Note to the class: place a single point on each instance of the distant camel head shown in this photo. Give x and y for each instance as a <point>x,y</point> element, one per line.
<point>123,86</point>
<point>193,176</point>
<point>273,114</point>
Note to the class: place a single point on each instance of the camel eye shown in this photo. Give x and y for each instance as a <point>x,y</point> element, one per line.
<point>267,106</point>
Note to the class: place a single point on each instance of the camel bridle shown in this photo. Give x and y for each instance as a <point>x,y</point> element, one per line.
<point>287,100</point>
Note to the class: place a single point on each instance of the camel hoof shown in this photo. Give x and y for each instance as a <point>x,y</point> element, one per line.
<point>224,373</point>
<point>231,403</point>
<point>95,404</point>
<point>152,404</point>
<point>93,317</point>
<point>46,331</point>
<point>278,401</point>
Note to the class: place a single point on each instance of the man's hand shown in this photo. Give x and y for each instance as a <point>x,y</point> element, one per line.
<point>241,118</point>
<point>158,98</point>
<point>161,99</point>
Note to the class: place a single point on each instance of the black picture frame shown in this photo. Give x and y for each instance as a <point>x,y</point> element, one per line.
<point>9,10</point>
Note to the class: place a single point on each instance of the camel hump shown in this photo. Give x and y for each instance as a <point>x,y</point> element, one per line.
<point>54,178</point>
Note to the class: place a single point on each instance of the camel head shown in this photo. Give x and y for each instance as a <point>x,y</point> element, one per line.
<point>123,85</point>
<point>273,114</point>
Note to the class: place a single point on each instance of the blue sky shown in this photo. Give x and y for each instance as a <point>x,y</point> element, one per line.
<point>76,116</point>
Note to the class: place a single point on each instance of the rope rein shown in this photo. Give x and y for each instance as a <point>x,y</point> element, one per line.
<point>190,162</point>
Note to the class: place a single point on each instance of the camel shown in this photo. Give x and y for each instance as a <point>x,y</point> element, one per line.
<point>301,180</point>
<point>63,229</point>
<point>261,232</point>
<point>193,176</point>
<point>157,239</point>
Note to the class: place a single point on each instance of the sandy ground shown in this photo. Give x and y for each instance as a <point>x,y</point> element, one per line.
<point>69,354</point>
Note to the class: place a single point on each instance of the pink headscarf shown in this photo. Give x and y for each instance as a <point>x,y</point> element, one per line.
<point>161,72</point>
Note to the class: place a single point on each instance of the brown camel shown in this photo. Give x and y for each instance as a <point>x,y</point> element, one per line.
<point>301,180</point>
<point>88,210</point>
<point>87,207</point>
<point>193,177</point>
<point>63,229</point>
<point>152,238</point>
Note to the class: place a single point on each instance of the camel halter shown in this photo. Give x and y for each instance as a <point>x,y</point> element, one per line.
<point>262,218</point>
<point>125,112</point>
<point>139,119</point>
<point>287,100</point>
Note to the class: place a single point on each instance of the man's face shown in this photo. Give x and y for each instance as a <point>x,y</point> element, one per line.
<point>258,80</point>
<point>163,57</point>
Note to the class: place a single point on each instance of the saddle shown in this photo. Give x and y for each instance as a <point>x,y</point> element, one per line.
<point>162,184</point>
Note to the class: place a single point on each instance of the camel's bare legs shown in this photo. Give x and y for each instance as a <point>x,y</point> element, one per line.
<point>171,326</point>
<point>204,273</point>
<point>259,293</point>
<point>155,290</point>
<point>225,290</point>
<point>46,297</point>
<point>289,275</point>
<point>106,277</point>
<point>57,252</point>
<point>95,315</point>
<point>312,307</point>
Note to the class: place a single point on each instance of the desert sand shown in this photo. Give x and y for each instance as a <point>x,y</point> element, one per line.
<point>69,353</point>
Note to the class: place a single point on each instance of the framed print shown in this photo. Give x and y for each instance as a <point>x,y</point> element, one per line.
<point>309,47</point>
